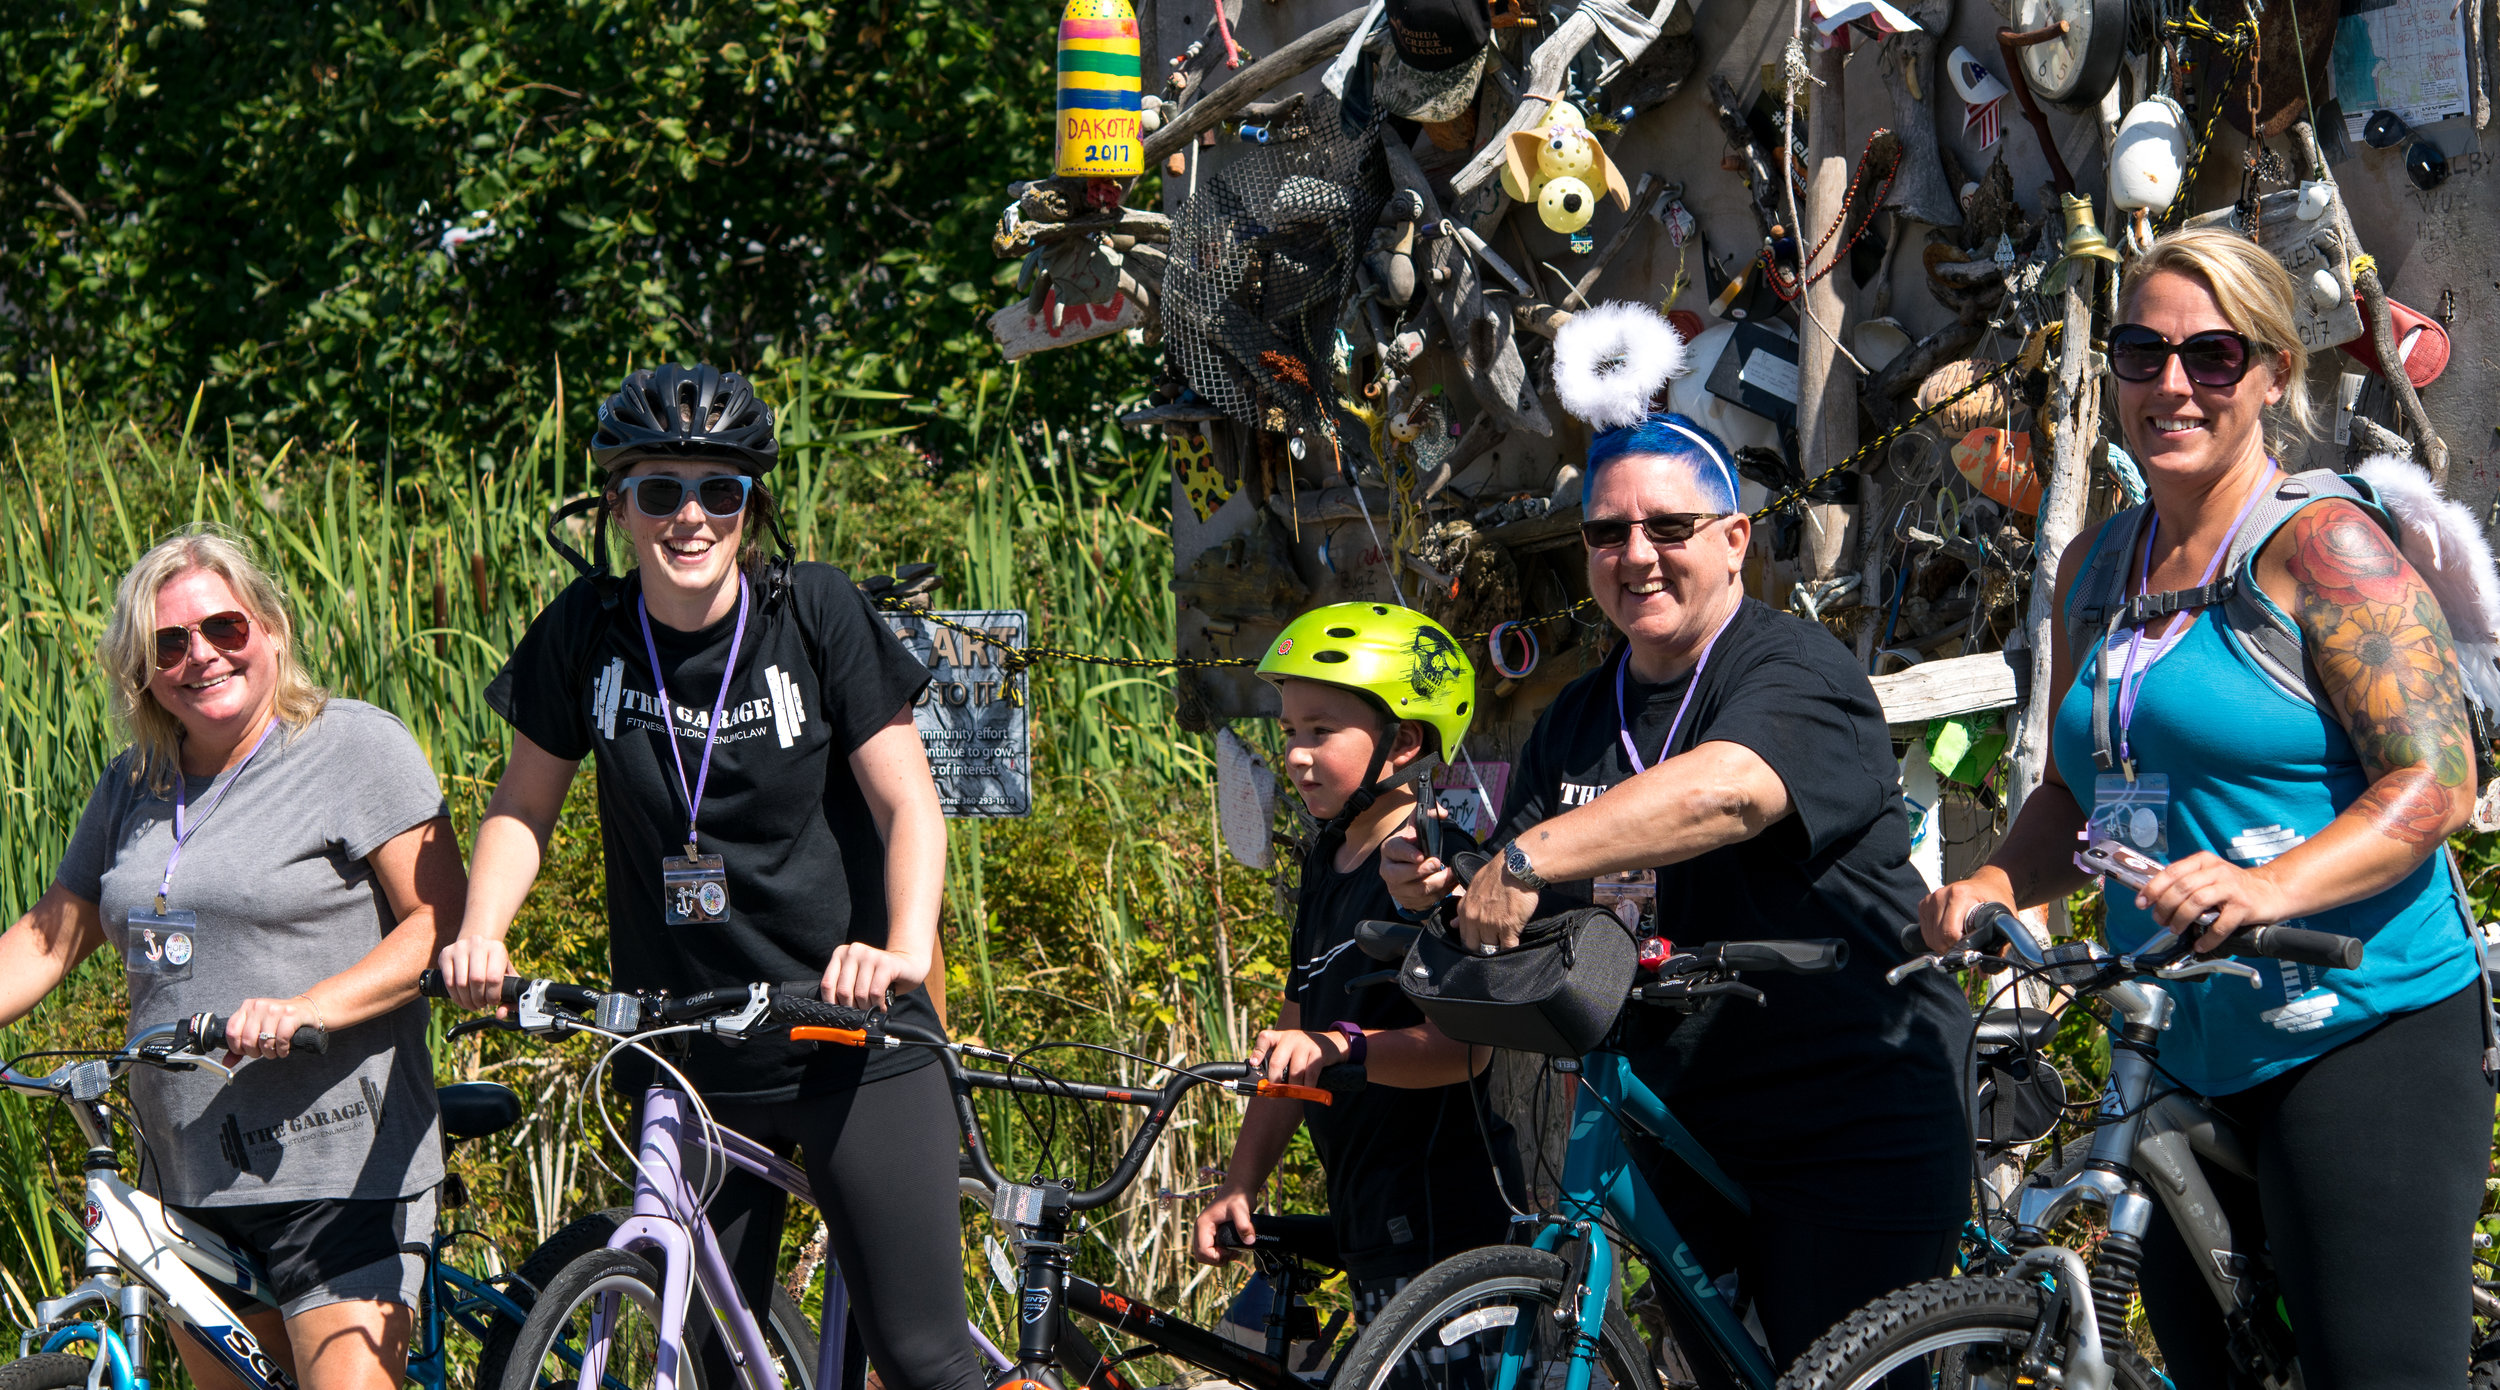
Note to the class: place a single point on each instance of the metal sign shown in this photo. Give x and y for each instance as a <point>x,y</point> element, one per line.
<point>972,716</point>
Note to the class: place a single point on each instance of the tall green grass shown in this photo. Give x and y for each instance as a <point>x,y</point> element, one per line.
<point>1107,918</point>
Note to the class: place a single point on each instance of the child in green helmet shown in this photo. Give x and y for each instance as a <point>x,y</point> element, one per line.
<point>1418,1165</point>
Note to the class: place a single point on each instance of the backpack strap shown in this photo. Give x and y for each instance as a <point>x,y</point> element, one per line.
<point>2095,606</point>
<point>2269,636</point>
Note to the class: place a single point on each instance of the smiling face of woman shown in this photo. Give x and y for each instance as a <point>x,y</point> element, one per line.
<point>1667,599</point>
<point>2174,427</point>
<point>690,550</point>
<point>216,695</point>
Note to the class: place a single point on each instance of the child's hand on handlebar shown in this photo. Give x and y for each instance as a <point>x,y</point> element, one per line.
<point>1294,1056</point>
<point>1230,1205</point>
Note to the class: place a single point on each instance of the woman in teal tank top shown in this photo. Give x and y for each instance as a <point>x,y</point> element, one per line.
<point>2362,1092</point>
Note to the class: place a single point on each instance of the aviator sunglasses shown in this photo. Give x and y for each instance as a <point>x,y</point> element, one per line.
<point>2216,357</point>
<point>662,494</point>
<point>2424,164</point>
<point>228,632</point>
<point>1671,528</point>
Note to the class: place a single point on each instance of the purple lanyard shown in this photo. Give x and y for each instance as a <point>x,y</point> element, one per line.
<point>720,705</point>
<point>2130,680</point>
<point>1623,722</point>
<point>182,832</point>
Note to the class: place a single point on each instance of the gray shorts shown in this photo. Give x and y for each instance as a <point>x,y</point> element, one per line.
<point>332,1250</point>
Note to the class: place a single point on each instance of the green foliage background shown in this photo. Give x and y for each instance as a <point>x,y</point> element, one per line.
<point>264,202</point>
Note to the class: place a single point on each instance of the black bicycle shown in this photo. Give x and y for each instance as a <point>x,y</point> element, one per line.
<point>1039,1214</point>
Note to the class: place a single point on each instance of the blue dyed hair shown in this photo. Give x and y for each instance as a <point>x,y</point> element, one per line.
<point>1673,436</point>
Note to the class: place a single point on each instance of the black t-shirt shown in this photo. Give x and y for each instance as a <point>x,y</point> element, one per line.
<point>1841,1098</point>
<point>1410,1181</point>
<point>817,676</point>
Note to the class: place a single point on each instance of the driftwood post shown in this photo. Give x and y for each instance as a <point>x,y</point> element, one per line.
<point>2075,412</point>
<point>1827,390</point>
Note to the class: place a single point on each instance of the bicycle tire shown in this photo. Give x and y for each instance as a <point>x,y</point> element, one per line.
<point>1943,1322</point>
<point>544,1263</point>
<point>560,1318</point>
<point>51,1370</point>
<point>1456,1301</point>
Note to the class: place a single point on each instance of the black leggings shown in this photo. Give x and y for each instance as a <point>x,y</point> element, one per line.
<point>881,1161</point>
<point>2370,1164</point>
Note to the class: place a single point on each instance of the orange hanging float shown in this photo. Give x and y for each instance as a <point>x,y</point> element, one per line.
<point>1998,463</point>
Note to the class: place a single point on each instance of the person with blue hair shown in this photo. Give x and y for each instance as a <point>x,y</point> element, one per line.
<point>1726,774</point>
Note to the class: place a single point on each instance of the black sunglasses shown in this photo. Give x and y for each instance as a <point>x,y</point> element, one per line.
<point>1672,528</point>
<point>228,632</point>
<point>2424,164</point>
<point>2216,357</point>
<point>662,494</point>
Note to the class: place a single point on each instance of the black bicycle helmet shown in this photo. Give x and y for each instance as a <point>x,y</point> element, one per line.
<point>685,412</point>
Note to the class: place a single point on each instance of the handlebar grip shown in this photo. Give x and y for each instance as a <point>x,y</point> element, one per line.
<point>1913,940</point>
<point>2323,949</point>
<point>1820,956</point>
<point>430,985</point>
<point>1228,1237</point>
<point>311,1038</point>
<point>817,1013</point>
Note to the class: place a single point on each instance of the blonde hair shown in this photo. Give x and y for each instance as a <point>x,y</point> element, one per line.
<point>2256,296</point>
<point>128,647</point>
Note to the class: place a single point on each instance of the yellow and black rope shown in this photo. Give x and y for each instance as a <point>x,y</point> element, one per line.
<point>1015,659</point>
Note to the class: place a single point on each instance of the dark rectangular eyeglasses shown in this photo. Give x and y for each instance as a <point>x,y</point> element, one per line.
<point>1670,528</point>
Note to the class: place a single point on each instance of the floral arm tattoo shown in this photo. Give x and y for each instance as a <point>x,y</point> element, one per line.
<point>2382,648</point>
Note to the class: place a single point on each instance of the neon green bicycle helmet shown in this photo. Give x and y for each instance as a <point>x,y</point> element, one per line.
<point>1406,661</point>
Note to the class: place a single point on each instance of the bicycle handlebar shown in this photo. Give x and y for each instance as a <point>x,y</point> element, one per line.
<point>634,1011</point>
<point>207,1033</point>
<point>1990,924</point>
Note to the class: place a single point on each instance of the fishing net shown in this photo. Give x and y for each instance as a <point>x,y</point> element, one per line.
<point>1263,256</point>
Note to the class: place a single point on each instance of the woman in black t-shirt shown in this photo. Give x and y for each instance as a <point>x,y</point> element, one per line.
<point>1728,775</point>
<point>766,813</point>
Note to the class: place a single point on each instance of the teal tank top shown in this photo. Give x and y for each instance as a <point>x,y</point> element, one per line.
<point>2253,772</point>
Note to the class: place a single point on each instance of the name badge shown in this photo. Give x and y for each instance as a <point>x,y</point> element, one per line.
<point>2135,814</point>
<point>694,889</point>
<point>160,944</point>
<point>1632,896</point>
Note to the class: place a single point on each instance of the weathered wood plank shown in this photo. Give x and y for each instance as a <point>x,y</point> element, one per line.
<point>1939,689</point>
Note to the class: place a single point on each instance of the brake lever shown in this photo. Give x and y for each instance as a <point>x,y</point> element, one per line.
<point>479,1025</point>
<point>2197,968</point>
<point>1912,966</point>
<point>1736,989</point>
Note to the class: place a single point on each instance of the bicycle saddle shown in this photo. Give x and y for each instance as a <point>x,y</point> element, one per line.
<point>475,1109</point>
<point>2011,1030</point>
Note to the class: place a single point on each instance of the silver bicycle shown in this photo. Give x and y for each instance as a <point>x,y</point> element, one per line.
<point>2048,1319</point>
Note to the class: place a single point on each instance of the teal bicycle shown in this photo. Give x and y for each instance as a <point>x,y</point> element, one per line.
<point>1545,1315</point>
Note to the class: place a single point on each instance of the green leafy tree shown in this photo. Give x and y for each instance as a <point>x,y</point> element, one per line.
<point>407,214</point>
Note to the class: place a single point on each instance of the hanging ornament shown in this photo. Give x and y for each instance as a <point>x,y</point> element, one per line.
<point>1983,99</point>
<point>1565,204</point>
<point>1568,151</point>
<point>1100,92</point>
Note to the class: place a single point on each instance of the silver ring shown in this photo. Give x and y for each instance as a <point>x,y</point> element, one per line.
<point>1487,949</point>
<point>268,1037</point>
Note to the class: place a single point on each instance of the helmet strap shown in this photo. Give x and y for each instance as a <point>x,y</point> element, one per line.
<point>605,583</point>
<point>777,570</point>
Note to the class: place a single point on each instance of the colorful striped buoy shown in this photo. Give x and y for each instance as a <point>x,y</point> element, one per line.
<point>1099,89</point>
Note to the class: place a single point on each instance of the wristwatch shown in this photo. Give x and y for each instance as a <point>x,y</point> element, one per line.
<point>1515,860</point>
<point>1355,1042</point>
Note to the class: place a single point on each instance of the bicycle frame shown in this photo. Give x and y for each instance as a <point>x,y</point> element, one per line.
<point>471,1297</point>
<point>1602,1185</point>
<point>668,1222</point>
<point>130,1232</point>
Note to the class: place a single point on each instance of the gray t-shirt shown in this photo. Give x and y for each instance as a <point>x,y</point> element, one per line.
<point>277,879</point>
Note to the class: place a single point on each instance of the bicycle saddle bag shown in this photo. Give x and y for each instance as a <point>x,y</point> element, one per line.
<point>1557,992</point>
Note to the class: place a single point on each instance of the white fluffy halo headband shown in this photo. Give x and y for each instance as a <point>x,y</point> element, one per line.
<point>1611,362</point>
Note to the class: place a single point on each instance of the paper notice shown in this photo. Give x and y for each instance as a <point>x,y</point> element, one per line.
<point>1768,371</point>
<point>1245,800</point>
<point>2405,56</point>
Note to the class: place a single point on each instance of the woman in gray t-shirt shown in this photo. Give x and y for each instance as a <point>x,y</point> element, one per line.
<point>264,852</point>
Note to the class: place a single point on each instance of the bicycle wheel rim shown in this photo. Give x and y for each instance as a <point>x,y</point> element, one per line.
<point>1459,1340</point>
<point>632,1350</point>
<point>1996,1372</point>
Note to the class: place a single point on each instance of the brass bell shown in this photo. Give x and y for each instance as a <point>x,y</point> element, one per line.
<point>2083,234</point>
<point>2083,238</point>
